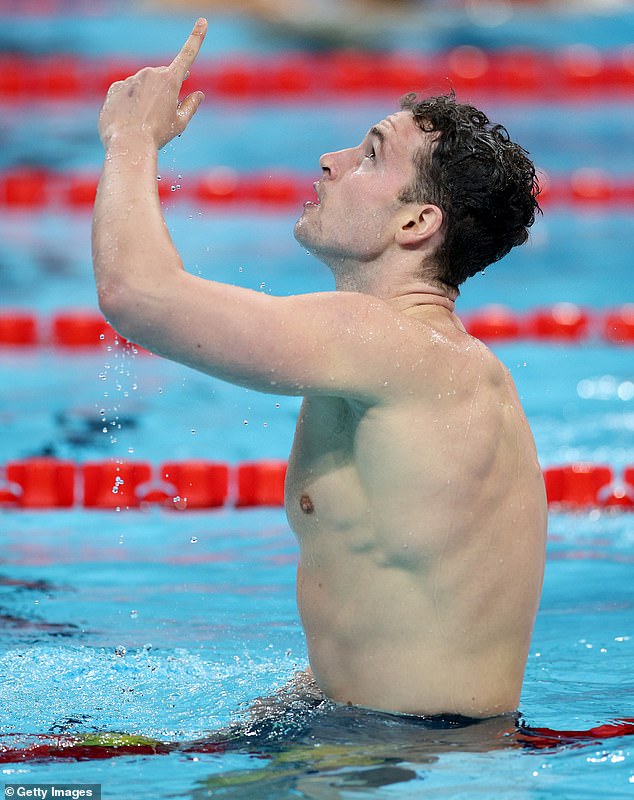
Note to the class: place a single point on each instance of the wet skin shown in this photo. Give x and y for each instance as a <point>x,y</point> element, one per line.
<point>425,510</point>
<point>413,483</point>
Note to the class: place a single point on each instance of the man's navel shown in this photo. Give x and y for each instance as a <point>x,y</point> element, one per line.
<point>306,504</point>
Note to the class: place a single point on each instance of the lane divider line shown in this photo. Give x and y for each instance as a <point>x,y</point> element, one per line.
<point>567,73</point>
<point>84,329</point>
<point>36,188</point>
<point>47,483</point>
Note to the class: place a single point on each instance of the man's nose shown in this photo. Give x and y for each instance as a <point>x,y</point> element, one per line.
<point>327,164</point>
<point>333,164</point>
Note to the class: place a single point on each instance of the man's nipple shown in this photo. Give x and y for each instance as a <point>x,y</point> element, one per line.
<point>306,504</point>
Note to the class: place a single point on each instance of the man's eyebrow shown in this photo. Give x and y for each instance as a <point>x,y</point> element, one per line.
<point>376,131</point>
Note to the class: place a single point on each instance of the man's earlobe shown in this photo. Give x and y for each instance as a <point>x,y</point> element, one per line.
<point>420,226</point>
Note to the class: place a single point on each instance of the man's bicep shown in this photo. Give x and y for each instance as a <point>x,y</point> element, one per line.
<point>338,343</point>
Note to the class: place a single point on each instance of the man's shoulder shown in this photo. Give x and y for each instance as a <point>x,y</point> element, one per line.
<point>440,333</point>
<point>443,353</point>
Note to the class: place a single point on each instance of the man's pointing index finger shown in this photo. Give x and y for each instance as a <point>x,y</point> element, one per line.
<point>187,55</point>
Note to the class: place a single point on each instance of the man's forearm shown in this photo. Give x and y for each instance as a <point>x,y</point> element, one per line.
<point>133,254</point>
<point>132,249</point>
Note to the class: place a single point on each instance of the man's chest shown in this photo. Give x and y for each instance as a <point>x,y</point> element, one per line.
<point>322,477</point>
<point>325,425</point>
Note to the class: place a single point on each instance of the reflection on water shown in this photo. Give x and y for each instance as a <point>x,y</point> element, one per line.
<point>319,750</point>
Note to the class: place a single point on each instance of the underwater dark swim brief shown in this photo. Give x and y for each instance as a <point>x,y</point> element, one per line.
<point>310,721</point>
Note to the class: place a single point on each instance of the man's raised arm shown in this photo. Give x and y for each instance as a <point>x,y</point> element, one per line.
<point>139,116</point>
<point>328,343</point>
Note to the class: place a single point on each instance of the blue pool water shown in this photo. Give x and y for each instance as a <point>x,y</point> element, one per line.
<point>168,625</point>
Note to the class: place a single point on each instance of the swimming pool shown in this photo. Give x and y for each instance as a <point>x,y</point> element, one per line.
<point>166,625</point>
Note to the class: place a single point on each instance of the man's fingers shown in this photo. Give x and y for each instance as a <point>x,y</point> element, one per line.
<point>189,106</point>
<point>187,55</point>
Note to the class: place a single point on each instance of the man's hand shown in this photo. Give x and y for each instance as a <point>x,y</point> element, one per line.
<point>145,106</point>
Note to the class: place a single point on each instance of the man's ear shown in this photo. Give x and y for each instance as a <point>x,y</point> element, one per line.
<point>419,225</point>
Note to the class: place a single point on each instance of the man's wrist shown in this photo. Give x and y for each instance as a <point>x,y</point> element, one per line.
<point>130,146</point>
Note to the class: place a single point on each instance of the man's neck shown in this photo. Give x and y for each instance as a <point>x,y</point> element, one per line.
<point>396,282</point>
<point>424,295</point>
<point>403,295</point>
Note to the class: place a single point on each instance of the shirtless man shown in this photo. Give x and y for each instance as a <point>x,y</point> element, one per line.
<point>413,485</point>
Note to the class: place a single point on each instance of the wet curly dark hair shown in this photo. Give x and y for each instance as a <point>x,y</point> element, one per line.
<point>484,183</point>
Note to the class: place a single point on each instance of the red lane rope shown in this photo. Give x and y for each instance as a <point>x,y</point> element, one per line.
<point>46,483</point>
<point>573,72</point>
<point>75,748</point>
<point>550,738</point>
<point>33,188</point>
<point>50,8</point>
<point>55,483</point>
<point>72,330</point>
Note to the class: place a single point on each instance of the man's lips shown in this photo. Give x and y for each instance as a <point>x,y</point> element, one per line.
<point>316,202</point>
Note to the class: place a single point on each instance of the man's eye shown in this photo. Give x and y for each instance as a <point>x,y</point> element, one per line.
<point>371,154</point>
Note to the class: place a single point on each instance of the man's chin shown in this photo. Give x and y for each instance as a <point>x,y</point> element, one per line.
<point>301,233</point>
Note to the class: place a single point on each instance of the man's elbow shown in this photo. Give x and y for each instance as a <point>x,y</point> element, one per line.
<point>116,304</point>
<point>135,313</point>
